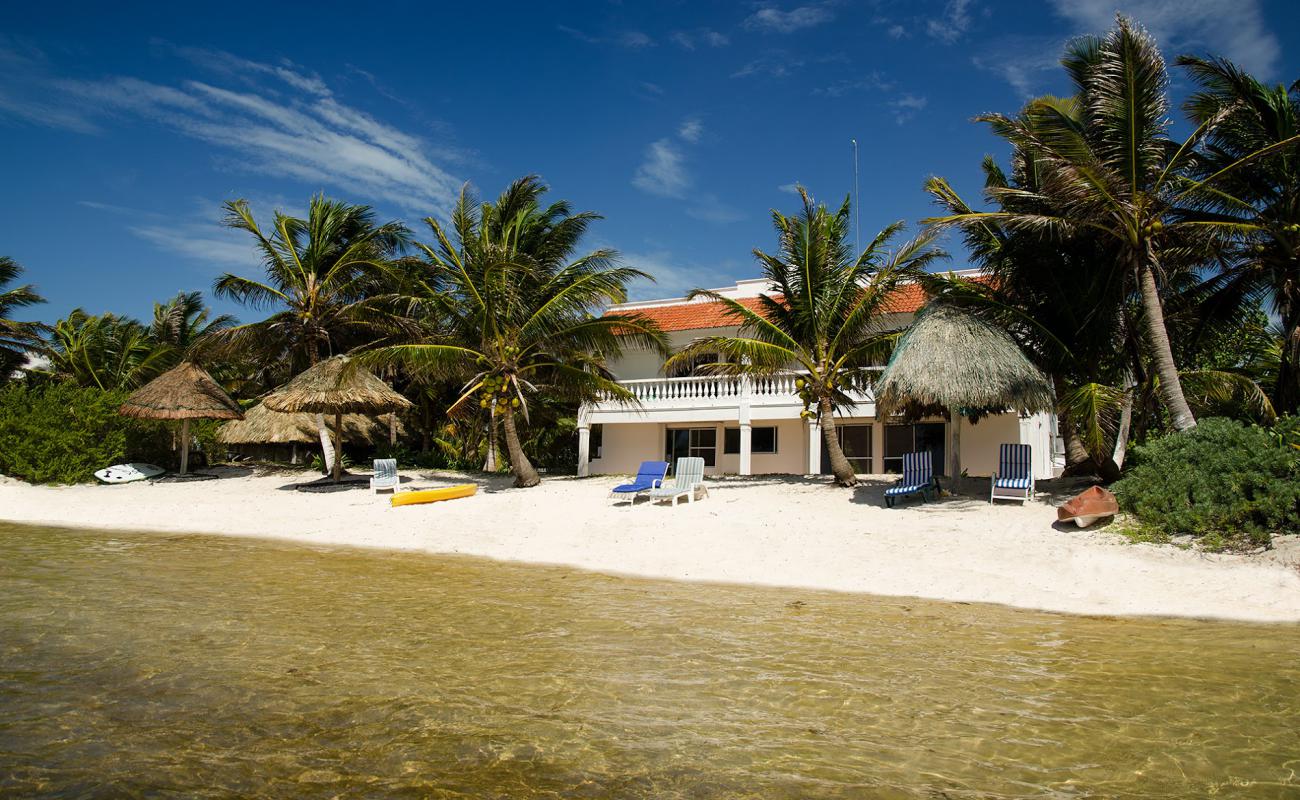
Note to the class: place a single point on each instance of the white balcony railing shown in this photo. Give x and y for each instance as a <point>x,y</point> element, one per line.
<point>717,390</point>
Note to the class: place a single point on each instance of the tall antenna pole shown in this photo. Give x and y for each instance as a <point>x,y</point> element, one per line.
<point>857,208</point>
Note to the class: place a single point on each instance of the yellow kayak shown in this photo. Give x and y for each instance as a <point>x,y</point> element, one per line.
<point>434,495</point>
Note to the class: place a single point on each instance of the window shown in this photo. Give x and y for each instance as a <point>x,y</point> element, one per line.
<point>761,440</point>
<point>903,439</point>
<point>596,442</point>
<point>855,441</point>
<point>691,442</point>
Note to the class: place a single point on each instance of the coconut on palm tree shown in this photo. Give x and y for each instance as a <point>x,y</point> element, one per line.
<point>505,307</point>
<point>16,338</point>
<point>826,316</point>
<point>320,273</point>
<point>1109,166</point>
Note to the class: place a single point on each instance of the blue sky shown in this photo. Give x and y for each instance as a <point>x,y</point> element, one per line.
<point>123,127</point>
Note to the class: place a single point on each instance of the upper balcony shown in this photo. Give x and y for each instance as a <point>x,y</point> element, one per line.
<point>713,397</point>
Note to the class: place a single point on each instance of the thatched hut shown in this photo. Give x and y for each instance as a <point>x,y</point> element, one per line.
<point>336,386</point>
<point>184,392</point>
<point>953,359</point>
<point>266,432</point>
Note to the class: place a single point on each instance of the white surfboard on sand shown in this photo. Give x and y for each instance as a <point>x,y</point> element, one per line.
<point>126,473</point>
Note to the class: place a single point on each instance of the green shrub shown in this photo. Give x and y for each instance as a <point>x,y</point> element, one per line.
<point>1228,484</point>
<point>62,433</point>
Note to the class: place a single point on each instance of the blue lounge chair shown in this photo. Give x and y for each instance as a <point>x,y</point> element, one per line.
<point>918,478</point>
<point>385,476</point>
<point>649,476</point>
<point>1014,479</point>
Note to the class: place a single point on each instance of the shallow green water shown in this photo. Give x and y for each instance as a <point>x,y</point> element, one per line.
<point>151,665</point>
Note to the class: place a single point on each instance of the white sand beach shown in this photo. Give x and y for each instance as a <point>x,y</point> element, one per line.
<point>777,531</point>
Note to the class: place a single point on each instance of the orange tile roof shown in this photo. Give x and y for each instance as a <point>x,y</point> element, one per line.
<point>693,316</point>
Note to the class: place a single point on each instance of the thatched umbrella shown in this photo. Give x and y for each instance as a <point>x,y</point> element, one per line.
<point>952,359</point>
<point>262,426</point>
<point>184,392</point>
<point>336,386</point>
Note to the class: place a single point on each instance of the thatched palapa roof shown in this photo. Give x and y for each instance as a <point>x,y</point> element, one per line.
<point>954,359</point>
<point>336,386</point>
<point>261,425</point>
<point>183,392</point>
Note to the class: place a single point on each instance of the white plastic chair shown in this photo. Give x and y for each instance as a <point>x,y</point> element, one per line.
<point>385,476</point>
<point>688,476</point>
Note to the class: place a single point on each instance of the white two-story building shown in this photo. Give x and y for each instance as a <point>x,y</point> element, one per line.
<point>748,426</point>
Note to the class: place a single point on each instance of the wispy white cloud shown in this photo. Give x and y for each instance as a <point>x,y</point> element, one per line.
<point>1027,63</point>
<point>691,130</point>
<point>673,276</point>
<point>632,40</point>
<point>293,128</point>
<point>896,31</point>
<point>771,18</point>
<point>663,172</point>
<point>952,23</point>
<point>699,37</point>
<point>1234,28</point>
<point>873,81</point>
<point>772,64</point>
<point>906,106</point>
<point>789,188</point>
<point>708,208</point>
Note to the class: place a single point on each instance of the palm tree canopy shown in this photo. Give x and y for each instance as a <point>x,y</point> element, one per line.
<point>828,311</point>
<point>186,391</point>
<point>336,385</point>
<point>950,358</point>
<point>16,338</point>
<point>319,273</point>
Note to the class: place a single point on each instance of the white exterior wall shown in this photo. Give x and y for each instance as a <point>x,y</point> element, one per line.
<point>791,450</point>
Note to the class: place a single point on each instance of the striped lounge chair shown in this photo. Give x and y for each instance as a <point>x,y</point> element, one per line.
<point>918,478</point>
<point>688,478</point>
<point>1014,479</point>
<point>385,476</point>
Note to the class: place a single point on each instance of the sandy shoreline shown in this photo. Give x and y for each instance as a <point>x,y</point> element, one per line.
<point>765,531</point>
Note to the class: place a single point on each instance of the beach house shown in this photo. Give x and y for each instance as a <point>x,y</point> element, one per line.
<point>749,426</point>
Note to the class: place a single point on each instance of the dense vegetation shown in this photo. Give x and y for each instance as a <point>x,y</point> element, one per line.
<point>1228,483</point>
<point>1153,279</point>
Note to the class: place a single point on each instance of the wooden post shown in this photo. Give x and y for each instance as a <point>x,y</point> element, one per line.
<point>185,445</point>
<point>954,419</point>
<point>338,447</point>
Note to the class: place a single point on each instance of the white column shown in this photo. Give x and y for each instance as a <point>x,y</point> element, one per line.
<point>584,450</point>
<point>744,448</point>
<point>878,446</point>
<point>814,447</point>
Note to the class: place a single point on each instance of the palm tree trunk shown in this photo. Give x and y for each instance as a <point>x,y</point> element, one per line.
<point>840,465</point>
<point>185,446</point>
<point>338,447</point>
<point>322,430</point>
<point>525,475</point>
<point>1171,386</point>
<point>490,463</point>
<point>1288,373</point>
<point>1077,459</point>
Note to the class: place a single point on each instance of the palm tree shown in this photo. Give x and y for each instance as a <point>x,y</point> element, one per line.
<point>16,338</point>
<point>184,321</point>
<point>320,274</point>
<point>105,351</point>
<point>505,307</point>
<point>1061,298</point>
<point>828,315</point>
<point>1110,167</point>
<point>1262,197</point>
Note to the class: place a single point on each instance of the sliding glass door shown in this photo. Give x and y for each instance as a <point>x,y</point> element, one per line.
<point>855,440</point>
<point>693,442</point>
<point>903,439</point>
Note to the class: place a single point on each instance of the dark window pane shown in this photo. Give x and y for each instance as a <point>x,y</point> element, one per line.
<point>705,437</point>
<point>931,436</point>
<point>731,441</point>
<point>762,440</point>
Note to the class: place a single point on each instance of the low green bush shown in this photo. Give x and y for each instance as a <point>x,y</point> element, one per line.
<point>62,433</point>
<point>1228,484</point>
